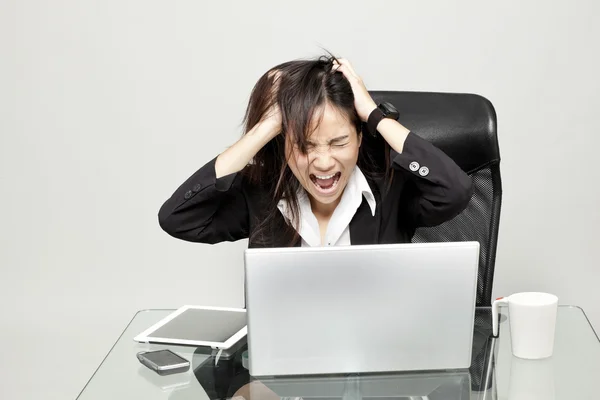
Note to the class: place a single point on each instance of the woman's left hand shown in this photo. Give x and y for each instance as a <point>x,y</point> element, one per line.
<point>363,102</point>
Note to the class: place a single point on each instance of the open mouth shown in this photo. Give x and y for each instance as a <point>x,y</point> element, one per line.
<point>326,183</point>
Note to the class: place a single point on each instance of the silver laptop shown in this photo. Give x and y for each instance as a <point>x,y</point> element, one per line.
<point>352,309</point>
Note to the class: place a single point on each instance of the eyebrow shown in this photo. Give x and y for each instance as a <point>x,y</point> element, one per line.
<point>337,139</point>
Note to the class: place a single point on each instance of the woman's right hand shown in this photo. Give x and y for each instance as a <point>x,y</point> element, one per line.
<point>272,118</point>
<point>239,155</point>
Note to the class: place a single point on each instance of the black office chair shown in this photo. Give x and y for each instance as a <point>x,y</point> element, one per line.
<point>464,127</point>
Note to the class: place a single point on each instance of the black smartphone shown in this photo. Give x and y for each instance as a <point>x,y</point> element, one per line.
<point>163,362</point>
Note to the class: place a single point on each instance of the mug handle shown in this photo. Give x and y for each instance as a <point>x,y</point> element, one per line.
<point>495,305</point>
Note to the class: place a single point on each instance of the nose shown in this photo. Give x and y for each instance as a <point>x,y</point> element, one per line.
<point>323,161</point>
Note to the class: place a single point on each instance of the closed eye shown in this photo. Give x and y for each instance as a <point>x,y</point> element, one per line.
<point>341,144</point>
<point>340,141</point>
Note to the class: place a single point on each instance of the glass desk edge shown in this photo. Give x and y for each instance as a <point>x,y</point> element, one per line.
<point>170,309</point>
<point>114,344</point>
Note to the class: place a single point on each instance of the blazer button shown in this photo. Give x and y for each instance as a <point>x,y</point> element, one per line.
<point>414,166</point>
<point>197,187</point>
<point>424,171</point>
<point>187,194</point>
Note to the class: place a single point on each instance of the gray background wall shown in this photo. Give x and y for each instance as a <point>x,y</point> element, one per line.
<point>105,107</point>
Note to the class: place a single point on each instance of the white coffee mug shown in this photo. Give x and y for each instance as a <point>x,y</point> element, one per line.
<point>532,318</point>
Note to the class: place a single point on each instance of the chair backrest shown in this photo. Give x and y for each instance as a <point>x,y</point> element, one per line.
<point>464,127</point>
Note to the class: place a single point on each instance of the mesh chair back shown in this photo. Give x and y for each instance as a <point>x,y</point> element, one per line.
<point>464,127</point>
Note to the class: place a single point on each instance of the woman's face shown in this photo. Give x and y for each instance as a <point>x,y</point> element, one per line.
<point>332,154</point>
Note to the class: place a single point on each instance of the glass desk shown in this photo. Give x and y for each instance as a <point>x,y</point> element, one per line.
<point>570,373</point>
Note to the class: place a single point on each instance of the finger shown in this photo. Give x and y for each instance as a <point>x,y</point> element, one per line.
<point>347,64</point>
<point>275,75</point>
<point>344,70</point>
<point>340,68</point>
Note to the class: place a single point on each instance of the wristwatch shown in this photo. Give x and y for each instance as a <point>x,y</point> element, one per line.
<point>383,110</point>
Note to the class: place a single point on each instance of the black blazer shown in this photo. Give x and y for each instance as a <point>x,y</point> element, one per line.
<point>427,189</point>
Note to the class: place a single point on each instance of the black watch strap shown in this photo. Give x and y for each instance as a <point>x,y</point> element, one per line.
<point>374,119</point>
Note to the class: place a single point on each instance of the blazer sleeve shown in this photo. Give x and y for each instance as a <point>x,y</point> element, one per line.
<point>436,189</point>
<point>206,209</point>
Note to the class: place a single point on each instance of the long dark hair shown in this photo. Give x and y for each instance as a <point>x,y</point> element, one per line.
<point>303,87</point>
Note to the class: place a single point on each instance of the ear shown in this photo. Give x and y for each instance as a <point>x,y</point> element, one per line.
<point>360,136</point>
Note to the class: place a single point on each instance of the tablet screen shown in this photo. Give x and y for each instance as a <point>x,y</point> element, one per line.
<point>202,325</point>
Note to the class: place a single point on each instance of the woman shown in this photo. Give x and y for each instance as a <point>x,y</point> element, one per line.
<point>304,174</point>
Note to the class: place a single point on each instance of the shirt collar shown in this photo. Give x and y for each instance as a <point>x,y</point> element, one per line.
<point>358,179</point>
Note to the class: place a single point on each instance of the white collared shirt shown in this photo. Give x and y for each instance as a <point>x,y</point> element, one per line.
<point>338,229</point>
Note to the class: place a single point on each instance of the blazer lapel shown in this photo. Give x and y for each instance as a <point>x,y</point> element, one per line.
<point>364,227</point>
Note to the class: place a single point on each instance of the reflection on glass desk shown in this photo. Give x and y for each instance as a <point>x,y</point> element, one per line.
<point>226,378</point>
<point>494,373</point>
<point>432,386</point>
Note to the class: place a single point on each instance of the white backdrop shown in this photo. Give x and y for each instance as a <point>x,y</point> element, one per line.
<point>107,106</point>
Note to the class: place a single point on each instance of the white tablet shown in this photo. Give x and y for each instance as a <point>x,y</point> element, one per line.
<point>216,327</point>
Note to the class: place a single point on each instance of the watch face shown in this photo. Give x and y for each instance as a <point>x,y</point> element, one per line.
<point>389,110</point>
